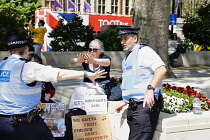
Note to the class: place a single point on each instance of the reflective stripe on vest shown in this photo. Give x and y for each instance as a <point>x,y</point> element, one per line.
<point>136,77</point>
<point>15,96</point>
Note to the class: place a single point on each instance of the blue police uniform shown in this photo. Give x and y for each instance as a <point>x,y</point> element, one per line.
<point>15,96</point>
<point>136,77</point>
<point>138,68</point>
<point>17,99</point>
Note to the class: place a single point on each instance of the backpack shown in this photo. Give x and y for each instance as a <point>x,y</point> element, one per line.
<point>72,112</point>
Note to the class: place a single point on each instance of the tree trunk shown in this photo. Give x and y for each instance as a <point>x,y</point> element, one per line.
<point>152,16</point>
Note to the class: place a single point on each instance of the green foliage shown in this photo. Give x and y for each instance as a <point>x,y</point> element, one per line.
<point>190,7</point>
<point>9,25</point>
<point>67,36</point>
<point>175,101</point>
<point>13,15</point>
<point>110,41</point>
<point>25,8</point>
<point>197,29</point>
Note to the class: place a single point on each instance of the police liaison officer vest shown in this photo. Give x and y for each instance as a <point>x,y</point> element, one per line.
<point>136,77</point>
<point>15,96</point>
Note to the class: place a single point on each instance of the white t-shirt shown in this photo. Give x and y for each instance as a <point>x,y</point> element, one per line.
<point>32,71</point>
<point>149,58</point>
<point>172,44</point>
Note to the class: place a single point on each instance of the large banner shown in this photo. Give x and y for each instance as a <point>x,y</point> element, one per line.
<point>98,21</point>
<point>51,20</point>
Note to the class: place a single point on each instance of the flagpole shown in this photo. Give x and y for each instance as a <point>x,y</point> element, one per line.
<point>76,6</point>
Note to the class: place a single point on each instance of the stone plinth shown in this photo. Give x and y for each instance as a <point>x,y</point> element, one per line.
<point>181,126</point>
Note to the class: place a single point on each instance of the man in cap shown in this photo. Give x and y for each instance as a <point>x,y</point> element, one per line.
<point>20,92</point>
<point>38,36</point>
<point>143,71</point>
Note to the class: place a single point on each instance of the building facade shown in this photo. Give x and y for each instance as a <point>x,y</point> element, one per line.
<point>112,7</point>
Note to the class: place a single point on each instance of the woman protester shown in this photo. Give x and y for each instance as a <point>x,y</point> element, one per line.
<point>93,61</point>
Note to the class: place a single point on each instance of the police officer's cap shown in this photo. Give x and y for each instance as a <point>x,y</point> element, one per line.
<point>16,41</point>
<point>123,31</point>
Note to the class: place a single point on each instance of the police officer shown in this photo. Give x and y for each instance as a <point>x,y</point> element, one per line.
<point>20,92</point>
<point>143,71</point>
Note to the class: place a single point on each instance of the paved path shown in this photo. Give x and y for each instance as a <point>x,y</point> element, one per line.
<point>199,79</point>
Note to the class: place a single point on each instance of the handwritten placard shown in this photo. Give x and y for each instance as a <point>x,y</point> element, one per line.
<point>78,104</point>
<point>96,104</point>
<point>91,127</point>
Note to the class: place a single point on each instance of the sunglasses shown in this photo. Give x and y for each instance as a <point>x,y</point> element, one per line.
<point>94,49</point>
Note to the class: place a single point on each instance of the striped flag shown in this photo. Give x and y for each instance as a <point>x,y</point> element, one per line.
<point>57,5</point>
<point>71,6</point>
<point>87,8</point>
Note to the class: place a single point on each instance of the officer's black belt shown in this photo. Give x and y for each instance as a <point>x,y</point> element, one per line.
<point>17,115</point>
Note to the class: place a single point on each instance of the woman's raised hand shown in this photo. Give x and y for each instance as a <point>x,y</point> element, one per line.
<point>80,57</point>
<point>96,75</point>
<point>89,59</point>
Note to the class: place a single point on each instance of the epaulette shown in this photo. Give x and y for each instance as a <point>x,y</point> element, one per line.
<point>24,59</point>
<point>5,58</point>
<point>142,45</point>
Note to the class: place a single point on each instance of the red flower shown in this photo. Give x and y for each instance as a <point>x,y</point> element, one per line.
<point>198,95</point>
<point>114,78</point>
<point>164,85</point>
<point>168,88</point>
<point>174,88</point>
<point>185,92</point>
<point>187,87</point>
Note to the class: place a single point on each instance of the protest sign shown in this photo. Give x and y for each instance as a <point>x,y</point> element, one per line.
<point>96,104</point>
<point>54,118</point>
<point>91,127</point>
<point>78,104</point>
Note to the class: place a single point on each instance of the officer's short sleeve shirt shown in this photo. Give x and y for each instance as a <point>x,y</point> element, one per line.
<point>32,71</point>
<point>149,58</point>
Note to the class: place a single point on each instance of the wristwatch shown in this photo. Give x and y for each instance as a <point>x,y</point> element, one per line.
<point>149,87</point>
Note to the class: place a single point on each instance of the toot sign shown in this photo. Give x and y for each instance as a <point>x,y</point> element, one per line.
<point>98,21</point>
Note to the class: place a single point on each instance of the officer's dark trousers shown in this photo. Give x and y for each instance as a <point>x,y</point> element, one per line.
<point>142,122</point>
<point>35,130</point>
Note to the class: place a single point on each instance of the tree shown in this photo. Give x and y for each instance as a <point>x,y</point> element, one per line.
<point>109,40</point>
<point>13,15</point>
<point>190,7</point>
<point>68,37</point>
<point>25,8</point>
<point>9,25</point>
<point>197,29</point>
<point>152,16</point>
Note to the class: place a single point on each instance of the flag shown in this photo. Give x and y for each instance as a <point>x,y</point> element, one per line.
<point>71,6</point>
<point>57,5</point>
<point>87,8</point>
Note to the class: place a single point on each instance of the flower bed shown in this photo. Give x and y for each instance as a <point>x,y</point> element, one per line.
<point>179,99</point>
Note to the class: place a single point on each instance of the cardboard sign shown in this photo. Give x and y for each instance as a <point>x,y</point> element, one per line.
<point>96,104</point>
<point>91,127</point>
